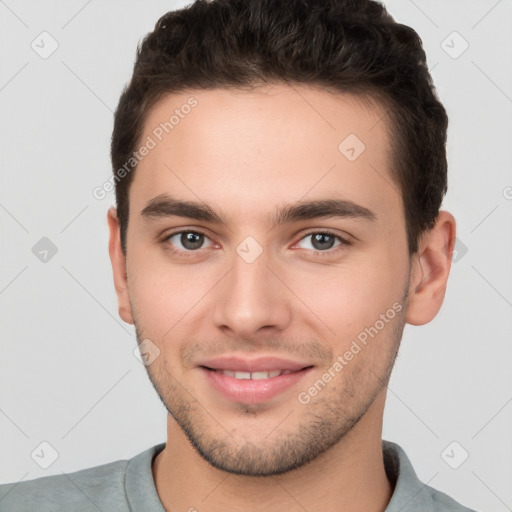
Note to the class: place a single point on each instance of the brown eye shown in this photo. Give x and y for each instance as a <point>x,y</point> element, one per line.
<point>186,241</point>
<point>323,242</point>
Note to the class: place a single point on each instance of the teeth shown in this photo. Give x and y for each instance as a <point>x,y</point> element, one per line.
<point>265,375</point>
<point>255,375</point>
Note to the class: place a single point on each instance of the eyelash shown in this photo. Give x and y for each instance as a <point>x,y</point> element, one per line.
<point>191,253</point>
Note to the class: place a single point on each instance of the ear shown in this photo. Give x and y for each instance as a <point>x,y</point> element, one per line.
<point>430,269</point>
<point>118,261</point>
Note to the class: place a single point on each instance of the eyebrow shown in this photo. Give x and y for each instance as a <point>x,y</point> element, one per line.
<point>164,206</point>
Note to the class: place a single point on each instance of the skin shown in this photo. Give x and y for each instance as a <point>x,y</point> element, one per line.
<point>245,154</point>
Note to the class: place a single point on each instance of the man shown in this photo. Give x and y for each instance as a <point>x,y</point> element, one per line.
<point>279,169</point>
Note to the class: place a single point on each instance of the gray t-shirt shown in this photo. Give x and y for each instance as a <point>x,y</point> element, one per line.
<point>128,486</point>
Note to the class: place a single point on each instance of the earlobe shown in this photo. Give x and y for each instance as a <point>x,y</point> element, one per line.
<point>118,261</point>
<point>430,270</point>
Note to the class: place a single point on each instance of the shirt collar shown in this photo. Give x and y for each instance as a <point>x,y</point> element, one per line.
<point>142,495</point>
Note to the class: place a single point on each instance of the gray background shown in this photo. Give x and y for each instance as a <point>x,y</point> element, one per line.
<point>68,373</point>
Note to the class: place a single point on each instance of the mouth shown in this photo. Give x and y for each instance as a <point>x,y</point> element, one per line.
<point>252,381</point>
<point>252,375</point>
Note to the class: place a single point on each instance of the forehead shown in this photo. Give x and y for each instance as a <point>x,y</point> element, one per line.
<point>272,145</point>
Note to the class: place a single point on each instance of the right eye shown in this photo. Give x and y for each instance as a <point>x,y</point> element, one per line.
<point>190,240</point>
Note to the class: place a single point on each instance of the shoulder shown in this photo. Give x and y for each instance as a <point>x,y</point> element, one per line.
<point>443,502</point>
<point>410,494</point>
<point>100,487</point>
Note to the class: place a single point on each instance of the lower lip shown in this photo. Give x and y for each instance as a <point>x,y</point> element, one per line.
<point>249,391</point>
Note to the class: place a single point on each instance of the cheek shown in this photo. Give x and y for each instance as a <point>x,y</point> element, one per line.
<point>348,298</point>
<point>164,294</point>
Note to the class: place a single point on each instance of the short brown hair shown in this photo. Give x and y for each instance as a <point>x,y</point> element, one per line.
<point>351,46</point>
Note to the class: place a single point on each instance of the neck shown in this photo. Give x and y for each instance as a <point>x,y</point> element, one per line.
<point>350,476</point>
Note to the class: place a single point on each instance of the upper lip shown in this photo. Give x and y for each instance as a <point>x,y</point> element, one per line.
<point>260,364</point>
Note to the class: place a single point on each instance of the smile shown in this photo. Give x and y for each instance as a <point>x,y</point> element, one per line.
<point>254,375</point>
<point>252,380</point>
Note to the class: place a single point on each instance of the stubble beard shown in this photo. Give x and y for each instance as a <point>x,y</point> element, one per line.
<point>317,426</point>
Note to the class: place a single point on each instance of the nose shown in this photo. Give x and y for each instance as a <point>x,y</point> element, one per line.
<point>251,299</point>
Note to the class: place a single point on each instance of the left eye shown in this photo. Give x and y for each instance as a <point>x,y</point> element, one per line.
<point>322,241</point>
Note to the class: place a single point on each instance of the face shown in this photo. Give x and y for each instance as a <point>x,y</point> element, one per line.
<point>267,265</point>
